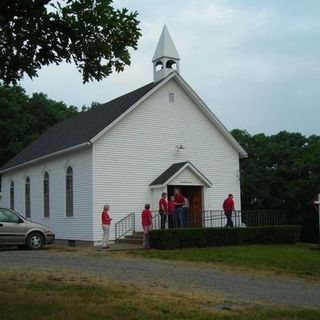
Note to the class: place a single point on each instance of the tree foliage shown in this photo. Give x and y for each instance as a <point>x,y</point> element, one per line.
<point>90,33</point>
<point>23,119</point>
<point>281,171</point>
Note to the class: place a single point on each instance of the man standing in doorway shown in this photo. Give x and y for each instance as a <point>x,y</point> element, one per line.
<point>228,207</point>
<point>178,211</point>
<point>106,221</point>
<point>163,209</point>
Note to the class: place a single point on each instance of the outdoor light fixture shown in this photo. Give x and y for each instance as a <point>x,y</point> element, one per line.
<point>180,147</point>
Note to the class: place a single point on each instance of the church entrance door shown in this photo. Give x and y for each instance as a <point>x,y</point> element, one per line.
<point>194,194</point>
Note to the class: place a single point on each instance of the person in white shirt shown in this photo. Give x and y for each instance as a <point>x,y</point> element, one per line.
<point>185,207</point>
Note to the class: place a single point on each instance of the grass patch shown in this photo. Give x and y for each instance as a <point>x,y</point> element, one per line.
<point>292,260</point>
<point>30,296</point>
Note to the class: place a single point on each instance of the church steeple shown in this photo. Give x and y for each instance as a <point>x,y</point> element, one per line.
<point>166,58</point>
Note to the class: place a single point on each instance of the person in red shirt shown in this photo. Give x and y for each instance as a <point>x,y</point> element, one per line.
<point>106,221</point>
<point>163,209</point>
<point>170,212</point>
<point>228,207</point>
<point>178,216</point>
<point>146,219</point>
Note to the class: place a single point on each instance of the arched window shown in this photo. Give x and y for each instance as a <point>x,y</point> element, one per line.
<point>46,195</point>
<point>69,192</point>
<point>171,65</point>
<point>12,195</point>
<point>27,198</point>
<point>159,66</point>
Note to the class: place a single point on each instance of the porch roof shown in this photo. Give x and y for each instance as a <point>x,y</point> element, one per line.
<point>174,170</point>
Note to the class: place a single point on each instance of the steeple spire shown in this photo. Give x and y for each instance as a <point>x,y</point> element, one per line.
<point>166,58</point>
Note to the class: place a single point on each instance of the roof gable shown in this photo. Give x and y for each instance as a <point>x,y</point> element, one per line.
<point>210,115</point>
<point>174,171</point>
<point>84,128</point>
<point>198,102</point>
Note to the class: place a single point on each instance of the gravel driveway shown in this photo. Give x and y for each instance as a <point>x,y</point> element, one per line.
<point>292,292</point>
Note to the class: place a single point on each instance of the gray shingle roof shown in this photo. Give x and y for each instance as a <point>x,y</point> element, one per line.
<point>78,129</point>
<point>173,169</point>
<point>167,174</point>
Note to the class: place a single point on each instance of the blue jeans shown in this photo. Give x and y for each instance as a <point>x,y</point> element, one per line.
<point>178,217</point>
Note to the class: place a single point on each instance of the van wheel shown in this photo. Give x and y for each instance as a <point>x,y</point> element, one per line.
<point>35,241</point>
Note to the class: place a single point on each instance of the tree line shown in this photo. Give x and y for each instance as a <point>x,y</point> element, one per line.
<point>282,171</point>
<point>23,119</point>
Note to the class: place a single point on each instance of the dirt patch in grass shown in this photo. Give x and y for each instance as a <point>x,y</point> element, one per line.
<point>39,295</point>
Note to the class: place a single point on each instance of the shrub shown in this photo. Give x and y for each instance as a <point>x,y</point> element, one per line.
<point>208,237</point>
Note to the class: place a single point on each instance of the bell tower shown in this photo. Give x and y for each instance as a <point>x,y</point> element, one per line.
<point>166,58</point>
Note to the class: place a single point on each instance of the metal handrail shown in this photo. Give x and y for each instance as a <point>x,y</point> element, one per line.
<point>216,218</point>
<point>156,220</point>
<point>125,225</point>
<point>240,218</point>
<point>210,218</point>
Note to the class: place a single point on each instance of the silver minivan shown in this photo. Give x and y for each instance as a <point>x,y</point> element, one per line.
<point>17,230</point>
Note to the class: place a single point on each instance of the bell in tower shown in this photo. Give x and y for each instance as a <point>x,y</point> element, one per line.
<point>166,58</point>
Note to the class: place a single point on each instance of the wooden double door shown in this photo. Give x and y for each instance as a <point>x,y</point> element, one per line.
<point>194,196</point>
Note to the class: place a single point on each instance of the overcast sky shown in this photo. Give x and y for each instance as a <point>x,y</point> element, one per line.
<point>256,64</point>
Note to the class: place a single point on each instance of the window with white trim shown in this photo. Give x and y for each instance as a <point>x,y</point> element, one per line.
<point>46,195</point>
<point>27,198</point>
<point>12,195</point>
<point>69,192</point>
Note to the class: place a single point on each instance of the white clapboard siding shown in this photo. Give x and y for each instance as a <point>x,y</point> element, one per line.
<point>78,227</point>
<point>143,144</point>
<point>186,177</point>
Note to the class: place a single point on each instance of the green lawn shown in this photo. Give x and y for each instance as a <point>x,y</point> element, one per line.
<point>57,296</point>
<point>296,260</point>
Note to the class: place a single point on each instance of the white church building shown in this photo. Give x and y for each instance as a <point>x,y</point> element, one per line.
<point>125,153</point>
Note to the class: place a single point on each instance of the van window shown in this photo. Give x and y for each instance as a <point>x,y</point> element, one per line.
<point>8,216</point>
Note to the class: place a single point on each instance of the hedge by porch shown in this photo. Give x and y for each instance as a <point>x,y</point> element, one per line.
<point>208,237</point>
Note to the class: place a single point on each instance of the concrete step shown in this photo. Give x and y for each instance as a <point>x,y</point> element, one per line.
<point>133,241</point>
<point>138,233</point>
<point>134,237</point>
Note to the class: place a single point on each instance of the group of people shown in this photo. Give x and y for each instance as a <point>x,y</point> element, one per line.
<point>176,210</point>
